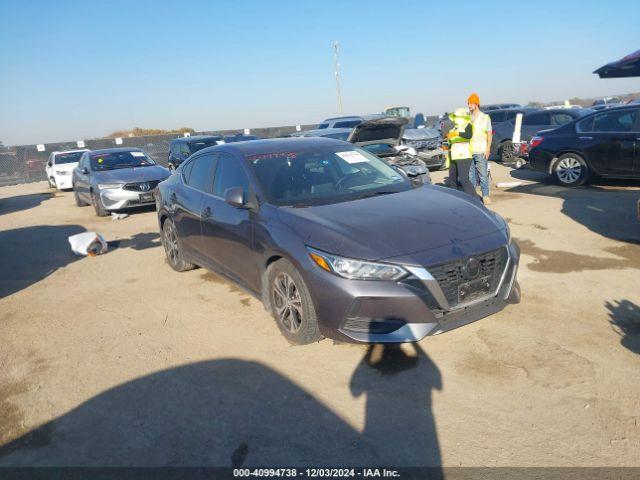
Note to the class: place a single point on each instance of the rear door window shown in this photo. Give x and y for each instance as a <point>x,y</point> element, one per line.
<point>560,118</point>
<point>541,118</point>
<point>198,173</point>
<point>615,121</point>
<point>497,116</point>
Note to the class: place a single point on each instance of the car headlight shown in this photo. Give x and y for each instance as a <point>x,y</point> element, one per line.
<point>62,172</point>
<point>104,186</point>
<point>356,269</point>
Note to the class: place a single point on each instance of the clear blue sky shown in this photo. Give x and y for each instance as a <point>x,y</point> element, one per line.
<point>81,69</point>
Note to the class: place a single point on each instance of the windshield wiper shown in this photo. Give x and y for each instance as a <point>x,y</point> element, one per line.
<point>375,194</point>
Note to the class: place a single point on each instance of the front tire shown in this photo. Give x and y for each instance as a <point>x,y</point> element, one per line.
<point>173,248</point>
<point>571,170</point>
<point>288,299</point>
<point>98,206</point>
<point>52,183</point>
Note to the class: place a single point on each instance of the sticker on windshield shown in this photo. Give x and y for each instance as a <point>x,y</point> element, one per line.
<point>137,154</point>
<point>352,156</point>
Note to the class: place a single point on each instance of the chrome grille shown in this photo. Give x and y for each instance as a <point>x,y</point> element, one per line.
<point>451,275</point>
<point>142,186</point>
<point>429,143</point>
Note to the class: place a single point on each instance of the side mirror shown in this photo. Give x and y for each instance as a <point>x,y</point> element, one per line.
<point>235,197</point>
<point>49,164</point>
<point>85,171</point>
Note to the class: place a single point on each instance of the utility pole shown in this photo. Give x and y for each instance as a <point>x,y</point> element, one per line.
<point>336,66</point>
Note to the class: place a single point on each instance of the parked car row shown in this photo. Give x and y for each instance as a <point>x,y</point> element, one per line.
<point>425,144</point>
<point>345,240</point>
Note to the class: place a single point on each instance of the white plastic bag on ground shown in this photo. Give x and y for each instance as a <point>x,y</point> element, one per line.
<point>88,243</point>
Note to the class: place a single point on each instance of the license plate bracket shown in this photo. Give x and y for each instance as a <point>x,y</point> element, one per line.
<point>474,289</point>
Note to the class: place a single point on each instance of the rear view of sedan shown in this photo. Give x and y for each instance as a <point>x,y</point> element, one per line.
<point>115,179</point>
<point>336,242</point>
<point>604,144</point>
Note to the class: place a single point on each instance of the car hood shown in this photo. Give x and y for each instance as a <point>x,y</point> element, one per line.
<point>393,225</point>
<point>132,175</point>
<point>381,130</point>
<point>420,134</point>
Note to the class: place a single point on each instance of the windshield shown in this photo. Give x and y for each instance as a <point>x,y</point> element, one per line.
<point>115,160</point>
<point>324,175</point>
<point>71,157</point>
<point>200,144</point>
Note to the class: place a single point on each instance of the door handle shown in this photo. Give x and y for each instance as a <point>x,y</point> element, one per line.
<point>206,213</point>
<point>585,138</point>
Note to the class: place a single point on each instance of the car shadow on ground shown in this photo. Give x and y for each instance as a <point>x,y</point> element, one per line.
<point>624,317</point>
<point>234,413</point>
<point>30,254</point>
<point>139,241</point>
<point>18,203</point>
<point>608,208</point>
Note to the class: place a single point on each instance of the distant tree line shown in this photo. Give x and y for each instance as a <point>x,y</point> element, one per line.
<point>140,132</point>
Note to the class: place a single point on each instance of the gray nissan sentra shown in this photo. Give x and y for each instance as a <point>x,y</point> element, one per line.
<point>115,179</point>
<point>337,243</point>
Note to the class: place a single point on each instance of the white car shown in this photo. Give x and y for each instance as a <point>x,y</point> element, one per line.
<point>59,167</point>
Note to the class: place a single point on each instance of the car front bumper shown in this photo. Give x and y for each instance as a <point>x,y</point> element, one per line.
<point>404,311</point>
<point>118,198</point>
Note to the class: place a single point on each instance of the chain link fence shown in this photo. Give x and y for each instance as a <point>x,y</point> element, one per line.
<point>24,163</point>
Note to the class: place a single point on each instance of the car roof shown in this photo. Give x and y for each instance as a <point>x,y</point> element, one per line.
<point>116,149</point>
<point>196,138</point>
<point>70,151</point>
<point>271,145</point>
<point>515,109</point>
<point>565,110</point>
<point>348,117</point>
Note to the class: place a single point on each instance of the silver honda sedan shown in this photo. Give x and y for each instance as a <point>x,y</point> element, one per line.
<point>116,178</point>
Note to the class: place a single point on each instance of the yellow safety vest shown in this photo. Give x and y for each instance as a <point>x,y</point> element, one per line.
<point>480,127</point>
<point>459,147</point>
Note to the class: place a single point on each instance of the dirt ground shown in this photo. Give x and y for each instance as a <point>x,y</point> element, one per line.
<point>119,360</point>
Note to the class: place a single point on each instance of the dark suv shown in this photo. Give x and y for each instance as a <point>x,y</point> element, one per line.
<point>336,242</point>
<point>182,148</point>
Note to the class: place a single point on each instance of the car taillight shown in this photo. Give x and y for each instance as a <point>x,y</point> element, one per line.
<point>535,141</point>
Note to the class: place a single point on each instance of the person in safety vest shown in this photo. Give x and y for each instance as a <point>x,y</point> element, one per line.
<point>480,147</point>
<point>460,159</point>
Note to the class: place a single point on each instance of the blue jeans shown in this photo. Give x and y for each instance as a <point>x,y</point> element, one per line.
<point>480,169</point>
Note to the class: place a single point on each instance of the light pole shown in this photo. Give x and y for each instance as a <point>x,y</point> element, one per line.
<point>336,66</point>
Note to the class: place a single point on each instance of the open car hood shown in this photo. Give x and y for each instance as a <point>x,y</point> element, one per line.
<point>381,130</point>
<point>420,134</point>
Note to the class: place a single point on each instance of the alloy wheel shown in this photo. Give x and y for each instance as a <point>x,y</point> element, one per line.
<point>287,302</point>
<point>568,170</point>
<point>171,243</point>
